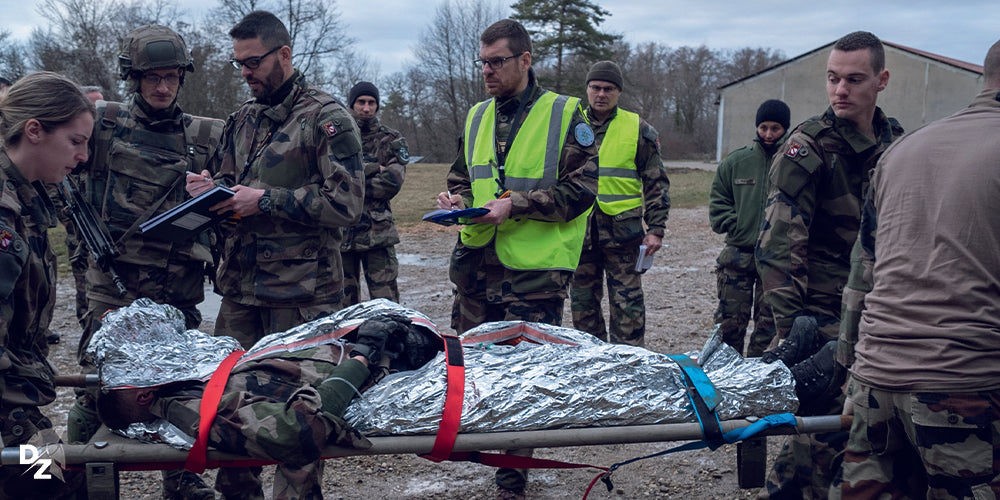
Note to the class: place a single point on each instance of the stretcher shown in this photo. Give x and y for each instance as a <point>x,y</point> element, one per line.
<point>109,454</point>
<point>507,366</point>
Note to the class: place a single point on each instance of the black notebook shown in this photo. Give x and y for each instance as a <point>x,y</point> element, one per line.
<point>186,220</point>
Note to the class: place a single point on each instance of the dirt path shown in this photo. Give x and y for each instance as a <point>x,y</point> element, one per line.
<point>680,299</point>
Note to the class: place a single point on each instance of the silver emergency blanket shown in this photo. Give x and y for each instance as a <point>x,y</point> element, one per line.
<point>146,345</point>
<point>532,386</point>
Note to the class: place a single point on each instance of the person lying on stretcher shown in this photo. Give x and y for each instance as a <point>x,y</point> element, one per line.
<point>283,401</point>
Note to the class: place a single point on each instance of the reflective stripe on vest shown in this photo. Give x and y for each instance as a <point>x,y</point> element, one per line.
<point>523,244</point>
<point>618,187</point>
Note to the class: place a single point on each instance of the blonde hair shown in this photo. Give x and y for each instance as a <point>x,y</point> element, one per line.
<point>50,98</point>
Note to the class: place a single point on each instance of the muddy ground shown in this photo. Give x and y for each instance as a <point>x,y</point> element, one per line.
<point>680,299</point>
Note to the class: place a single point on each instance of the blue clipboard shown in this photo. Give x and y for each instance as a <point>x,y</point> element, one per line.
<point>451,217</point>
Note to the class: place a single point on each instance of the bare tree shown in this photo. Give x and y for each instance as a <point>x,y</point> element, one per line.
<point>747,61</point>
<point>12,63</point>
<point>321,48</point>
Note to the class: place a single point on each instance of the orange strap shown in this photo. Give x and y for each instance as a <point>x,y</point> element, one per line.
<point>451,416</point>
<point>197,458</point>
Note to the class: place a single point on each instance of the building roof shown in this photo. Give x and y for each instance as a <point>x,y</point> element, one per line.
<point>973,68</point>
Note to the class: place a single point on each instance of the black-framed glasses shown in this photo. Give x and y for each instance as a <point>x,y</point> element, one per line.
<point>154,80</point>
<point>252,62</point>
<point>495,63</point>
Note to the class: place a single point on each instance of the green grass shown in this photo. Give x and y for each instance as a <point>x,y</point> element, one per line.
<point>688,189</point>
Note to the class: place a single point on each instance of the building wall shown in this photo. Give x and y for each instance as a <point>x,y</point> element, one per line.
<point>920,90</point>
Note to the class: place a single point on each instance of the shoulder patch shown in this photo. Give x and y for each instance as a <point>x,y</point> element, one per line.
<point>329,129</point>
<point>6,239</point>
<point>584,134</point>
<point>794,149</point>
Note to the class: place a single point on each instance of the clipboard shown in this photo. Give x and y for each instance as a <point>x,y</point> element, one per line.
<point>450,217</point>
<point>186,220</point>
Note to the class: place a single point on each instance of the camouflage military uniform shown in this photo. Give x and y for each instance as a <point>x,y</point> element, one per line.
<point>735,208</point>
<point>370,242</point>
<point>141,156</point>
<point>271,410</point>
<point>27,296</point>
<point>283,268</point>
<point>818,180</point>
<point>611,248</point>
<point>486,289</point>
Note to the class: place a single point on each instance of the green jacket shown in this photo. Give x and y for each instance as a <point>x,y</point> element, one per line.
<point>739,193</point>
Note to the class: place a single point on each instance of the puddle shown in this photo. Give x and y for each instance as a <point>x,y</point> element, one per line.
<point>416,259</point>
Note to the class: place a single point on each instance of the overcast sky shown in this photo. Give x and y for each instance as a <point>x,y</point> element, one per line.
<point>386,30</point>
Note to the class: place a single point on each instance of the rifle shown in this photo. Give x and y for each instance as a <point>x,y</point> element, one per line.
<point>93,231</point>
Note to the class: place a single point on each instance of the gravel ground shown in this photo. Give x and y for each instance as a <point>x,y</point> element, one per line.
<point>680,299</point>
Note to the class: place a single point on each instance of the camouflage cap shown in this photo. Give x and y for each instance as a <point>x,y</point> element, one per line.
<point>153,47</point>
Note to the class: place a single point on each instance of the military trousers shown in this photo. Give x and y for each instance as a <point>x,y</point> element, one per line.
<point>21,425</point>
<point>380,268</point>
<point>248,324</point>
<point>627,308</point>
<point>741,293</point>
<point>921,445</point>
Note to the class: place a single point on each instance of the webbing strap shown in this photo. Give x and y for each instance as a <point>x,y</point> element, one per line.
<point>704,398</point>
<point>515,461</point>
<point>197,458</point>
<point>451,416</point>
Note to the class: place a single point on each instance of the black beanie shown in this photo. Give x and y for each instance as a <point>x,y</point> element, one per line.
<point>607,71</point>
<point>360,89</point>
<point>773,110</point>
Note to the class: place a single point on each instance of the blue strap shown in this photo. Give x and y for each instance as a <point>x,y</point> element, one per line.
<point>729,438</point>
<point>704,399</point>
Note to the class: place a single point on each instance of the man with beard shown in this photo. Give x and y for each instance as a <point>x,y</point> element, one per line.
<point>292,154</point>
<point>371,242</point>
<point>735,207</point>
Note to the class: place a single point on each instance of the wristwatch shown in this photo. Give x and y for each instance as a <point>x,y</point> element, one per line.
<point>264,203</point>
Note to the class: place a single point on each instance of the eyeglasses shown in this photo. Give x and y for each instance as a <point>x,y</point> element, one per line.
<point>495,63</point>
<point>252,62</point>
<point>607,89</point>
<point>154,80</point>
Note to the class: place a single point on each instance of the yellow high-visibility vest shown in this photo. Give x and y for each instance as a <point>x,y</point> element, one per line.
<point>618,187</point>
<point>532,163</point>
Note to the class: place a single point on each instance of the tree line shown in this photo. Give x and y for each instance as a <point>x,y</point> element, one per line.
<point>675,89</point>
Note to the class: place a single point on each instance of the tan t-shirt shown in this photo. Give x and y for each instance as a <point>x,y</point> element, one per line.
<point>932,321</point>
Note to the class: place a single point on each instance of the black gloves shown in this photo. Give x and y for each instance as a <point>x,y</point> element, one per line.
<point>382,334</point>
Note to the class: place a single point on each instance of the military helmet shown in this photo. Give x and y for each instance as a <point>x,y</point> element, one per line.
<point>153,47</point>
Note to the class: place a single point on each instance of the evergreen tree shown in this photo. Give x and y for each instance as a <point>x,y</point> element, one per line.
<point>563,28</point>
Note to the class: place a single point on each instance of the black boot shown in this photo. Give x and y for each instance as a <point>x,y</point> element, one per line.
<point>800,344</point>
<point>184,485</point>
<point>818,380</point>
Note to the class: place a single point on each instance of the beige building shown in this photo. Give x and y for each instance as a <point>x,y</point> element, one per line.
<point>922,88</point>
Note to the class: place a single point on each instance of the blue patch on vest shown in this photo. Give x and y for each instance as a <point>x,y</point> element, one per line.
<point>584,134</point>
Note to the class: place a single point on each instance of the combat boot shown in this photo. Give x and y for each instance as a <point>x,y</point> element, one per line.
<point>818,380</point>
<point>184,485</point>
<point>800,344</point>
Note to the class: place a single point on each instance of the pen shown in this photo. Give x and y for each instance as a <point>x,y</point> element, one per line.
<point>449,199</point>
<point>202,176</point>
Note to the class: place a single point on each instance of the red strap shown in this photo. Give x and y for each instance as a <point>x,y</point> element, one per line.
<point>451,417</point>
<point>198,456</point>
